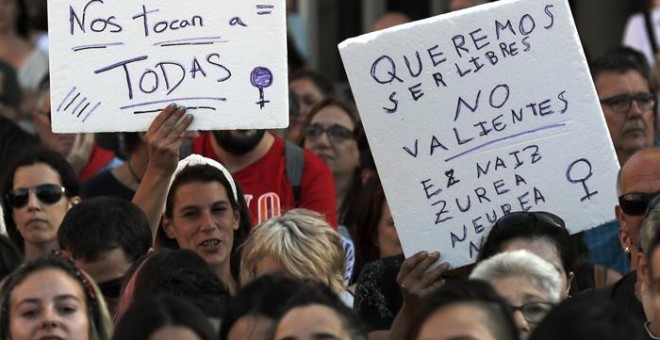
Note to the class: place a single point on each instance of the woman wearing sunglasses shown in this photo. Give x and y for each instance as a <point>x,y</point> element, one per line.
<point>40,188</point>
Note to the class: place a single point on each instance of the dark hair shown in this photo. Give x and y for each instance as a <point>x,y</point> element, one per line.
<point>10,257</point>
<point>179,272</point>
<point>368,210</point>
<point>320,80</point>
<point>99,321</point>
<point>131,143</point>
<point>620,60</point>
<point>265,296</point>
<point>206,174</point>
<point>39,17</point>
<point>54,160</point>
<point>587,318</point>
<point>101,224</point>
<point>153,313</point>
<point>316,293</point>
<point>14,142</point>
<point>475,293</point>
<point>22,19</point>
<point>530,226</point>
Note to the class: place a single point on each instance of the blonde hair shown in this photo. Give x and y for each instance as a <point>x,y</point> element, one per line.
<point>301,241</point>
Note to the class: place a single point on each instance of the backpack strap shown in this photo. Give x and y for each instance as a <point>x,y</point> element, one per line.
<point>295,164</point>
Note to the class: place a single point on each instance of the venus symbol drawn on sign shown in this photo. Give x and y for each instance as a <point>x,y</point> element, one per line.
<point>261,78</point>
<point>585,173</point>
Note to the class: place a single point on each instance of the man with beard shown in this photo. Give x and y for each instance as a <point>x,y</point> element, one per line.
<point>256,159</point>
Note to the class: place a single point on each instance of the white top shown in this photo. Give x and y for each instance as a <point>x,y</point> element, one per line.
<point>635,35</point>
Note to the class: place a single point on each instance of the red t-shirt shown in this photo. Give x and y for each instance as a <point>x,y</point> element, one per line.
<point>267,189</point>
<point>98,160</point>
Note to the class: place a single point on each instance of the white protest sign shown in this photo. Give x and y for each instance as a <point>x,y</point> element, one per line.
<point>477,113</point>
<point>114,64</point>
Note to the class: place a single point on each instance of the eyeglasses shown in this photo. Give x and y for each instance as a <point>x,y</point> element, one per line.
<point>336,133</point>
<point>529,217</point>
<point>622,103</point>
<point>635,203</point>
<point>46,193</point>
<point>534,312</point>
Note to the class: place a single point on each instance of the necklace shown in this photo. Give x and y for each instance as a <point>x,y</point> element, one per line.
<point>130,169</point>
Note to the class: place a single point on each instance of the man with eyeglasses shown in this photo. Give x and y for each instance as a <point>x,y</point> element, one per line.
<point>621,80</point>
<point>257,160</point>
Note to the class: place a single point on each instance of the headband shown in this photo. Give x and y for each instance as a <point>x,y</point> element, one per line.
<point>195,159</point>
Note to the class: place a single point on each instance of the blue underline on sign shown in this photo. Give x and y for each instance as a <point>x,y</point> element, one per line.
<point>210,40</point>
<point>172,100</point>
<point>548,127</point>
<point>86,47</point>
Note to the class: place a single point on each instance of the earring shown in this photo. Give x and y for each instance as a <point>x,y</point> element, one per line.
<point>626,250</point>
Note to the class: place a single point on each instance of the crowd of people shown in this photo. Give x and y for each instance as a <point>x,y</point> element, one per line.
<point>287,234</point>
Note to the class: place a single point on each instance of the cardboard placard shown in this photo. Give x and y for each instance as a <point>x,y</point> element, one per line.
<point>477,113</point>
<point>115,64</point>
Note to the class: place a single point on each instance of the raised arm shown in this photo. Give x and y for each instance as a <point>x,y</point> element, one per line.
<point>164,138</point>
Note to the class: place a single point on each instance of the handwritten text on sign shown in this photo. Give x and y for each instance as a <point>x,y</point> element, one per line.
<point>116,63</point>
<point>479,113</point>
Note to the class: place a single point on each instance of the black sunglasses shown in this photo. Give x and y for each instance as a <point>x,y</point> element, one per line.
<point>336,133</point>
<point>46,193</point>
<point>635,203</point>
<point>527,217</point>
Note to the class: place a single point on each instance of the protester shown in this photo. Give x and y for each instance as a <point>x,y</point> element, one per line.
<point>586,319</point>
<point>309,87</point>
<point>529,284</point>
<point>652,272</point>
<point>254,311</point>
<point>300,244</point>
<point>464,310</point>
<point>374,233</point>
<point>181,273</point>
<point>123,180</point>
<point>162,318</point>
<point>30,63</point>
<point>51,298</point>
<point>542,233</point>
<point>316,312</point>
<point>105,236</point>
<point>40,189</point>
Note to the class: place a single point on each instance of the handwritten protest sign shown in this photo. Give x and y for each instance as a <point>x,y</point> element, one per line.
<point>474,114</point>
<point>116,63</point>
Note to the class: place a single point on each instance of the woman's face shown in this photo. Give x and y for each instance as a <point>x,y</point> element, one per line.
<point>546,250</point>
<point>519,291</point>
<point>48,304</point>
<point>204,221</point>
<point>310,322</point>
<point>333,140</point>
<point>38,221</point>
<point>388,240</point>
<point>307,94</point>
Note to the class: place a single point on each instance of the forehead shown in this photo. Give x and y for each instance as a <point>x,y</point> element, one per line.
<point>309,320</point>
<point>198,192</point>
<point>333,114</point>
<point>35,174</point>
<point>518,289</point>
<point>610,83</point>
<point>456,321</point>
<point>642,172</point>
<point>46,283</point>
<point>304,85</point>
<point>543,247</point>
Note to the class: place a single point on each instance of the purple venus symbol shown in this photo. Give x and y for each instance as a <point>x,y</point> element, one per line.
<point>261,78</point>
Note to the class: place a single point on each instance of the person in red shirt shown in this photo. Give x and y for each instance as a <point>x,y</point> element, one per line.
<point>256,159</point>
